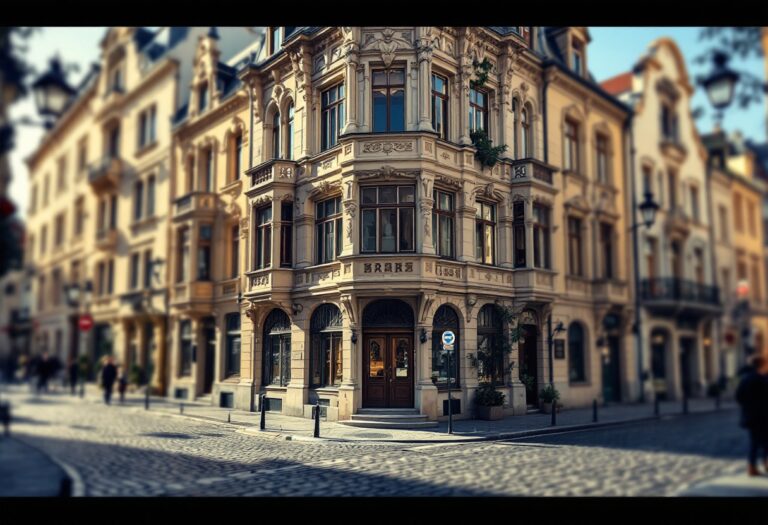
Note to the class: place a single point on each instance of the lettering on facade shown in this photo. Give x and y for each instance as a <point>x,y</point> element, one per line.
<point>388,267</point>
<point>520,172</point>
<point>448,271</point>
<point>260,280</point>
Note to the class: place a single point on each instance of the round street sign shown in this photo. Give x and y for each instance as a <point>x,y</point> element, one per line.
<point>85,322</point>
<point>448,337</point>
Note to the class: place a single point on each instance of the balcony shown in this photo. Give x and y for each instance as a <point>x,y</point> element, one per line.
<point>677,222</point>
<point>106,175</point>
<point>198,204</point>
<point>106,239</point>
<point>532,170</point>
<point>195,295</point>
<point>674,296</point>
<point>609,291</point>
<point>673,149</point>
<point>274,170</point>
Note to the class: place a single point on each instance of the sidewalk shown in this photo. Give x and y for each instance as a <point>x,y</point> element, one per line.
<point>288,427</point>
<point>25,472</point>
<point>730,486</point>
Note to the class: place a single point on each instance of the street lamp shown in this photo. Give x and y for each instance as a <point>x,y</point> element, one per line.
<point>552,333</point>
<point>648,209</point>
<point>52,92</point>
<point>720,83</point>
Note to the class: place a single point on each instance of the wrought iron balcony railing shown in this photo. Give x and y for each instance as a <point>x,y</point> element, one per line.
<point>675,289</point>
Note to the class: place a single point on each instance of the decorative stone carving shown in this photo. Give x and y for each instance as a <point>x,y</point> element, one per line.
<point>244,227</point>
<point>325,187</point>
<point>427,299</point>
<point>387,173</point>
<point>425,206</point>
<point>387,42</point>
<point>387,147</point>
<point>471,302</point>
<point>350,209</point>
<point>448,181</point>
<point>348,303</point>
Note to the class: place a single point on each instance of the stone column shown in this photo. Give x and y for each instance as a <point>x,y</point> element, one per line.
<point>352,60</point>
<point>425,85</point>
<point>426,392</point>
<point>424,215</point>
<point>463,94</point>
<point>351,221</point>
<point>157,356</point>
<point>349,398</point>
<point>297,393</point>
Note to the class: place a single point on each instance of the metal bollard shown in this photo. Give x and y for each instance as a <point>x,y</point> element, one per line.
<point>594,411</point>
<point>317,420</point>
<point>656,407</point>
<point>229,417</point>
<point>181,408</point>
<point>263,415</point>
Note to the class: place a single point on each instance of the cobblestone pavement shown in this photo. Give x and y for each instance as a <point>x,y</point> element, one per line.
<point>123,452</point>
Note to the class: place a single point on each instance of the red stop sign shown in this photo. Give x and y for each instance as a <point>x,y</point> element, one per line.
<point>85,322</point>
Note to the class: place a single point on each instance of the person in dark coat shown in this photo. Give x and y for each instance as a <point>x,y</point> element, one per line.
<point>122,384</point>
<point>72,370</point>
<point>44,369</point>
<point>752,396</point>
<point>108,376</point>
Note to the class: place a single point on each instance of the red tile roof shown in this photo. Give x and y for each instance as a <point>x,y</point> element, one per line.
<point>618,84</point>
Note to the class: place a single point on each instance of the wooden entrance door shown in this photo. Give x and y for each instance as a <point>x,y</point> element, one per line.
<point>388,370</point>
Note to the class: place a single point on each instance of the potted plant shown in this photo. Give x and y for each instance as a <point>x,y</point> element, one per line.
<point>489,402</point>
<point>549,396</point>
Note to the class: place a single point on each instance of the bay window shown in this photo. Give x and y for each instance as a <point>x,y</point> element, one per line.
<point>485,232</point>
<point>388,100</point>
<point>518,228</point>
<point>571,146</point>
<point>332,118</point>
<point>286,234</point>
<point>328,222</point>
<point>440,105</point>
<point>575,247</point>
<point>263,244</point>
<point>387,214</point>
<point>541,230</point>
<point>443,217</point>
<point>204,253</point>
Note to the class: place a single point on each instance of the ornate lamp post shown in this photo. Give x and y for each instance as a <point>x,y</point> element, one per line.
<point>52,93</point>
<point>648,209</point>
<point>720,83</point>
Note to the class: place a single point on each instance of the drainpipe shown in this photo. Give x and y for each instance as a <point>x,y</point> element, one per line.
<point>628,129</point>
<point>544,85</point>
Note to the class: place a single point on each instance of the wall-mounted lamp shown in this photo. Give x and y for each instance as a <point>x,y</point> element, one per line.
<point>423,336</point>
<point>354,336</point>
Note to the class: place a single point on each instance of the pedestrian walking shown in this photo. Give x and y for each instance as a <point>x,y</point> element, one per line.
<point>44,369</point>
<point>72,370</point>
<point>108,376</point>
<point>122,384</point>
<point>752,396</point>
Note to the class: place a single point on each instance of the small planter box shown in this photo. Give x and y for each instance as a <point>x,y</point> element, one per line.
<point>489,413</point>
<point>547,408</point>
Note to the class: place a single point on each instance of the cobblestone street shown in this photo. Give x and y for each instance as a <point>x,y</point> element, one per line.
<point>118,451</point>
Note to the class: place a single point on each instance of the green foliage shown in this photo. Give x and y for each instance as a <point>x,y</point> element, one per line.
<point>482,70</point>
<point>486,153</point>
<point>549,394</point>
<point>487,396</point>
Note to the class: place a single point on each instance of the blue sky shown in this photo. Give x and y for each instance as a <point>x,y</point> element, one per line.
<point>612,51</point>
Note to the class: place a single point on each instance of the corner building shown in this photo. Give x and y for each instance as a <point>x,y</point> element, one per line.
<point>365,226</point>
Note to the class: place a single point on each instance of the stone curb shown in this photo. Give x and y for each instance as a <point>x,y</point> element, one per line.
<point>72,476</point>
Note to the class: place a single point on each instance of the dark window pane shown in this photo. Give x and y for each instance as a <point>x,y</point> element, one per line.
<point>379,111</point>
<point>406,194</point>
<point>369,195</point>
<point>388,230</point>
<point>369,230</point>
<point>397,112</point>
<point>406,229</point>
<point>388,194</point>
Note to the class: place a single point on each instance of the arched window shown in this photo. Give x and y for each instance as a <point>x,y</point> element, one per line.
<point>325,367</point>
<point>445,319</point>
<point>576,361</point>
<point>277,348</point>
<point>276,136</point>
<point>289,134</point>
<point>237,155</point>
<point>525,125</point>
<point>490,346</point>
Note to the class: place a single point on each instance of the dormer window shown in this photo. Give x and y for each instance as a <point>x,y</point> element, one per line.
<point>577,57</point>
<point>275,39</point>
<point>116,80</point>
<point>202,97</point>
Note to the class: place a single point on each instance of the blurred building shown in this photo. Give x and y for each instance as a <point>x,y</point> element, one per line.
<point>100,198</point>
<point>745,298</point>
<point>678,289</point>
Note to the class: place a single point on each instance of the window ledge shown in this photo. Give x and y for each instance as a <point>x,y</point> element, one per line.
<point>326,389</point>
<point>233,379</point>
<point>144,222</point>
<point>142,150</point>
<point>275,388</point>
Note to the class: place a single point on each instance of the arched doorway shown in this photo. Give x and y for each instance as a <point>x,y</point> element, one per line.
<point>445,318</point>
<point>325,366</point>
<point>388,371</point>
<point>277,349</point>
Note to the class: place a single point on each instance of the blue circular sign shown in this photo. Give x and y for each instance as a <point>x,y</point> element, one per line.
<point>449,337</point>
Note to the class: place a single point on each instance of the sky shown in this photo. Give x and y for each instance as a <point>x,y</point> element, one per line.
<point>611,52</point>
